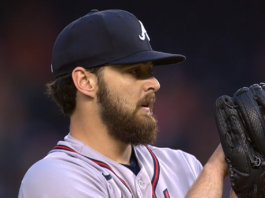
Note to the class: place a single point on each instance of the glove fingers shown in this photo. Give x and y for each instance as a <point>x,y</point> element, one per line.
<point>251,115</point>
<point>232,134</point>
<point>259,93</point>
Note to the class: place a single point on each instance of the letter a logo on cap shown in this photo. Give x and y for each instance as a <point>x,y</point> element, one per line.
<point>144,33</point>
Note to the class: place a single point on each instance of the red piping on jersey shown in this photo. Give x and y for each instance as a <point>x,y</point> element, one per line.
<point>156,172</point>
<point>65,148</point>
<point>166,194</point>
<point>102,164</point>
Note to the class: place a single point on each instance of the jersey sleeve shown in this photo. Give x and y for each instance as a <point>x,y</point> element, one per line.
<point>50,179</point>
<point>193,163</point>
<point>180,162</point>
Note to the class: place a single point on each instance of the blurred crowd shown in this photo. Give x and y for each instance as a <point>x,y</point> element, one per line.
<point>224,43</point>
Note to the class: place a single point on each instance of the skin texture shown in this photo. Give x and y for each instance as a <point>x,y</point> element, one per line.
<point>131,83</point>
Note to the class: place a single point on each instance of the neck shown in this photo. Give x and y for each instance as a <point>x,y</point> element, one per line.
<point>94,134</point>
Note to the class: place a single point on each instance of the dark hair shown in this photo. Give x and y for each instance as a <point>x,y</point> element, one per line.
<point>63,91</point>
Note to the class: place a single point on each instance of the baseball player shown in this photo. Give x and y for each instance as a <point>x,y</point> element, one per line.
<point>102,63</point>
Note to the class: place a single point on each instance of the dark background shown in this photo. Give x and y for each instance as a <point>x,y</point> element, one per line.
<point>224,42</point>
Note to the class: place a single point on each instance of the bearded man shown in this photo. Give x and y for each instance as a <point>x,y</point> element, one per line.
<point>102,63</point>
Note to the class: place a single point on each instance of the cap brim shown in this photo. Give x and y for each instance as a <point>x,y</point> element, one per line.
<point>158,58</point>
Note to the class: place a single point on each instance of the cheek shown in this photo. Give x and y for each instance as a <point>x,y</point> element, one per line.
<point>130,95</point>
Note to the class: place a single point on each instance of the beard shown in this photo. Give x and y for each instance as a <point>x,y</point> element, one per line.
<point>125,124</point>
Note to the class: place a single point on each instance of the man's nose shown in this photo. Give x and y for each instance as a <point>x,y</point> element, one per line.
<point>151,84</point>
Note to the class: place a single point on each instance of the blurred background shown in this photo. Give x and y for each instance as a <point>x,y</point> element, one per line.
<point>224,42</point>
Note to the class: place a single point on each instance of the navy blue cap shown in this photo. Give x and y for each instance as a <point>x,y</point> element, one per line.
<point>105,37</point>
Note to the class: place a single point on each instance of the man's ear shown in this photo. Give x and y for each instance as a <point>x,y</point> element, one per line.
<point>85,82</point>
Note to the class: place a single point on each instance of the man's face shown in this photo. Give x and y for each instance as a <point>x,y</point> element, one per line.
<point>126,95</point>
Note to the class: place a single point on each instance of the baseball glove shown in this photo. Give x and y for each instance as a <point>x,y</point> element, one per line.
<point>241,128</point>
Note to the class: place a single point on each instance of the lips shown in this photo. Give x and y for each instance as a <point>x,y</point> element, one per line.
<point>148,103</point>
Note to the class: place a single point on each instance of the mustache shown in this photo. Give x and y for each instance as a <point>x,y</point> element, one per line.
<point>148,99</point>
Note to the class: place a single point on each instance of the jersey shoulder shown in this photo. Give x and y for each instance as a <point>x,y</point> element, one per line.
<point>61,175</point>
<point>177,159</point>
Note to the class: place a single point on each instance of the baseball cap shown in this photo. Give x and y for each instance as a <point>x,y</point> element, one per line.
<point>105,37</point>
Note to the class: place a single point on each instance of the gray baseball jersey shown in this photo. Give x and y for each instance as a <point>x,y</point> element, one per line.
<point>72,169</point>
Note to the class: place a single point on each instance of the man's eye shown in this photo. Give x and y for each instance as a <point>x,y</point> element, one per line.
<point>139,72</point>
<point>135,71</point>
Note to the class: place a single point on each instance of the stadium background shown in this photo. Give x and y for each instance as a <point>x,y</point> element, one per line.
<point>224,42</point>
